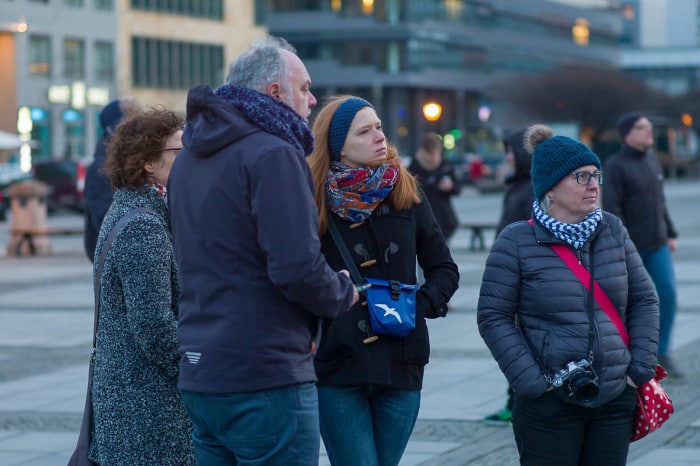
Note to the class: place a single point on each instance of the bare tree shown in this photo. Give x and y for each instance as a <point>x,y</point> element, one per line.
<point>593,97</point>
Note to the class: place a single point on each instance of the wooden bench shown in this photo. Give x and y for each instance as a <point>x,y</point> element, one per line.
<point>477,230</point>
<point>28,234</point>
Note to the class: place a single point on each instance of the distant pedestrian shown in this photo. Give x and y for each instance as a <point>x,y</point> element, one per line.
<point>438,180</point>
<point>369,391</point>
<point>138,414</point>
<point>546,330</point>
<point>254,281</point>
<point>635,193</point>
<point>98,192</point>
<point>517,205</point>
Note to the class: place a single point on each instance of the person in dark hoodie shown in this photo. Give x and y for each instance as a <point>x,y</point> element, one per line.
<point>517,205</point>
<point>254,281</point>
<point>98,192</point>
<point>438,180</point>
<point>634,192</point>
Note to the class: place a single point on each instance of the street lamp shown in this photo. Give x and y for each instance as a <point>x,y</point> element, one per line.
<point>432,111</point>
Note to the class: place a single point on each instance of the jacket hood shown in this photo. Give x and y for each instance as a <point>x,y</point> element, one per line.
<point>523,159</point>
<point>212,123</point>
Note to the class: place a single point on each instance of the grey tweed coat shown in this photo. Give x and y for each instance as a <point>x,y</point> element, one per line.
<point>138,414</point>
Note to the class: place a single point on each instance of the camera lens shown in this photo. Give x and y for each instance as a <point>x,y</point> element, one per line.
<point>585,389</point>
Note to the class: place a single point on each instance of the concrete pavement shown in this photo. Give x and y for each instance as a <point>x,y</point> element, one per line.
<point>45,333</point>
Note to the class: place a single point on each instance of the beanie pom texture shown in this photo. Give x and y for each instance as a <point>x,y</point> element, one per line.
<point>534,135</point>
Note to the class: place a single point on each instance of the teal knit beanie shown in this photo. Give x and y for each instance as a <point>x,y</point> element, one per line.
<point>340,124</point>
<point>554,157</point>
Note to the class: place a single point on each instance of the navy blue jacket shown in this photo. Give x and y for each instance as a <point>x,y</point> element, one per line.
<point>245,229</point>
<point>98,197</point>
<point>524,277</point>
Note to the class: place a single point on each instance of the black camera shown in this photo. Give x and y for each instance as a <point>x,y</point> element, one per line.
<point>577,383</point>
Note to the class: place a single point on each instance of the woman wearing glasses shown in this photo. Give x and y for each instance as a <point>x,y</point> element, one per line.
<point>138,414</point>
<point>575,380</point>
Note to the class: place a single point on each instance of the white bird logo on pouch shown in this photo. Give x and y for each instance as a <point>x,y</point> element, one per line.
<point>390,311</point>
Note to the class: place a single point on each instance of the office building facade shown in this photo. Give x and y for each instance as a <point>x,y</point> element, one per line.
<point>404,54</point>
<point>63,60</point>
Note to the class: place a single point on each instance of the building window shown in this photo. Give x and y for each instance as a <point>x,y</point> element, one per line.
<point>210,9</point>
<point>74,124</point>
<point>104,61</point>
<point>73,59</point>
<point>103,5</point>
<point>165,64</point>
<point>40,55</point>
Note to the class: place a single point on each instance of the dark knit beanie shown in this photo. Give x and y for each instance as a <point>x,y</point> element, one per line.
<point>554,157</point>
<point>110,116</point>
<point>626,122</point>
<point>340,124</point>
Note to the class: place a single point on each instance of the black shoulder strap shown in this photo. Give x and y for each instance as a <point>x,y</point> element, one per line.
<point>343,249</point>
<point>101,261</point>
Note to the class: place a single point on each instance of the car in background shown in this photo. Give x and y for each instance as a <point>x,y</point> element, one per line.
<point>484,173</point>
<point>65,180</point>
<point>10,172</point>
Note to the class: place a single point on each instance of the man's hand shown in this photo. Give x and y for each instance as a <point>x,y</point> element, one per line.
<point>673,244</point>
<point>355,294</point>
<point>445,184</point>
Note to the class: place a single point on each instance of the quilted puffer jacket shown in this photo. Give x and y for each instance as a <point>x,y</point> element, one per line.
<point>524,277</point>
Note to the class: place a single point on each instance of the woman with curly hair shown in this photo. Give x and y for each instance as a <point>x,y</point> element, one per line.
<point>138,414</point>
<point>369,385</point>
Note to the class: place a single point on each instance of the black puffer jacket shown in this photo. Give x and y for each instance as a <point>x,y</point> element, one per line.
<point>394,239</point>
<point>524,277</point>
<point>634,191</point>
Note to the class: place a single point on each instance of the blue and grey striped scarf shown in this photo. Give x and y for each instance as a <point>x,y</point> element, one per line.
<point>575,234</point>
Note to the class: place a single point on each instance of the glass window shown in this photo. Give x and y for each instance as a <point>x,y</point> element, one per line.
<point>40,55</point>
<point>104,61</point>
<point>175,65</point>
<point>73,58</point>
<point>210,9</point>
<point>104,5</point>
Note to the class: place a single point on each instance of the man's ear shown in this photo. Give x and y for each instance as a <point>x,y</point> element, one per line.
<point>274,89</point>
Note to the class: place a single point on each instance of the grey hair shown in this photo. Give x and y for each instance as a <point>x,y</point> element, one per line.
<point>263,63</point>
<point>545,203</point>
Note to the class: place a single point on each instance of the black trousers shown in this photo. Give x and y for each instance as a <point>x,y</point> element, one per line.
<point>549,432</point>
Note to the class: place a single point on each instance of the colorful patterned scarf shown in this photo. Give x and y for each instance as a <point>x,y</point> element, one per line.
<point>160,190</point>
<point>354,193</point>
<point>575,234</point>
<point>271,115</point>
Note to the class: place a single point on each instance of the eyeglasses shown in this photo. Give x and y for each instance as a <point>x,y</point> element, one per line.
<point>173,148</point>
<point>586,177</point>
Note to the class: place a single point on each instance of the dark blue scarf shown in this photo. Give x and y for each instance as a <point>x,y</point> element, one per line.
<point>271,115</point>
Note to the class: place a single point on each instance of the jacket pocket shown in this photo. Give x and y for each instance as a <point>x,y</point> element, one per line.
<point>416,347</point>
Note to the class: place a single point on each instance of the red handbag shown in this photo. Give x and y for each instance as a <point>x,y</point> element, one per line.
<point>654,406</point>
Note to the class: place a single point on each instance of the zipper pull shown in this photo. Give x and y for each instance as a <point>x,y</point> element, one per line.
<point>578,254</point>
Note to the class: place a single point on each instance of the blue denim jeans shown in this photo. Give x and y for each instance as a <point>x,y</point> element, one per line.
<point>269,427</point>
<point>366,425</point>
<point>659,265</point>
